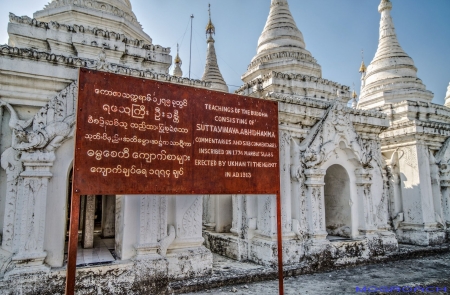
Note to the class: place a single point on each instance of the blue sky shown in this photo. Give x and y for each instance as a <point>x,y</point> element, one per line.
<point>335,31</point>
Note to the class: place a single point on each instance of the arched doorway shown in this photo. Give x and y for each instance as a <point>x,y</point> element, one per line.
<point>337,202</point>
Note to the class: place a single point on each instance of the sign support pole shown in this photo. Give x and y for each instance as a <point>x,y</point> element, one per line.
<point>73,243</point>
<point>280,246</point>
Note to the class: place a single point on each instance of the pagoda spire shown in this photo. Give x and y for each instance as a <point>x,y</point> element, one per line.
<point>177,72</point>
<point>281,47</point>
<point>388,42</point>
<point>212,72</point>
<point>391,76</point>
<point>210,29</point>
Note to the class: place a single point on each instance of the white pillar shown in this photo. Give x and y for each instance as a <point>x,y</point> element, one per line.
<point>27,242</point>
<point>209,212</point>
<point>267,216</point>
<point>383,207</point>
<point>315,204</point>
<point>445,194</point>
<point>416,189</point>
<point>127,225</point>
<point>285,183</point>
<point>267,205</point>
<point>436,187</point>
<point>365,202</point>
<point>152,224</point>
<point>108,216</point>
<point>419,226</point>
<point>187,255</point>
<point>395,192</point>
<point>223,214</point>
<point>241,223</point>
<point>87,238</point>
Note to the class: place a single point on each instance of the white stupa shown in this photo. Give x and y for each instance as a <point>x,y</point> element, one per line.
<point>283,65</point>
<point>212,72</point>
<point>391,77</point>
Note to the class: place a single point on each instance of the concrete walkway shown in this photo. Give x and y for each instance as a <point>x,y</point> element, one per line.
<point>426,271</point>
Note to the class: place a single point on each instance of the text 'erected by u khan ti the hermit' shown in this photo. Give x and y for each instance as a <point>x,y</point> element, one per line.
<point>142,136</point>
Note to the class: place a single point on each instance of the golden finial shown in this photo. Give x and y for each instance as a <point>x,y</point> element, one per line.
<point>354,94</point>
<point>210,29</point>
<point>362,68</point>
<point>177,58</point>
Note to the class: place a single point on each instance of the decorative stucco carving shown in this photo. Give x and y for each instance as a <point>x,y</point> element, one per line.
<point>409,156</point>
<point>191,224</point>
<point>280,56</point>
<point>382,207</point>
<point>442,159</point>
<point>328,134</point>
<point>50,126</point>
<point>88,31</point>
<point>293,77</point>
<point>27,163</point>
<point>285,139</point>
<point>265,216</point>
<point>318,203</point>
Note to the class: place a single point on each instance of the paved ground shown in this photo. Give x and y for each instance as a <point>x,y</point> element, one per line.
<point>428,271</point>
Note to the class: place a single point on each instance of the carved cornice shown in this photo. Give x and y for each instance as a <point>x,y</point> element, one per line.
<point>98,32</point>
<point>27,20</point>
<point>310,102</point>
<point>415,104</point>
<point>43,56</point>
<point>70,61</point>
<point>425,112</point>
<point>405,85</point>
<point>304,101</point>
<point>296,77</point>
<point>414,123</point>
<point>98,5</point>
<point>299,56</point>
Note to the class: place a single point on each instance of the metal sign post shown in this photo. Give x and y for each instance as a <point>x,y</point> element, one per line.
<point>73,243</point>
<point>280,246</point>
<point>162,138</point>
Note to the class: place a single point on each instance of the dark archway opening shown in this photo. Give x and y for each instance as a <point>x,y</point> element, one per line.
<point>338,218</point>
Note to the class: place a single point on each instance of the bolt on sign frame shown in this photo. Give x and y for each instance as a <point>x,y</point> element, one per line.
<point>137,136</point>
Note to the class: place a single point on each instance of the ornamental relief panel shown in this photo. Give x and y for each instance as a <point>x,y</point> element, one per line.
<point>409,156</point>
<point>192,219</point>
<point>49,128</point>
<point>327,135</point>
<point>443,159</point>
<point>33,141</point>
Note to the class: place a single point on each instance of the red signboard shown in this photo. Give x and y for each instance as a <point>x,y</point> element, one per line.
<point>138,136</point>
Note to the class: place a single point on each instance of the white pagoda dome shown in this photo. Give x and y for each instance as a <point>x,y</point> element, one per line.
<point>104,14</point>
<point>283,65</point>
